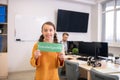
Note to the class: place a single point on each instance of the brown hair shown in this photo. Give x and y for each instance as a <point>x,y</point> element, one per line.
<point>65,34</point>
<point>55,35</point>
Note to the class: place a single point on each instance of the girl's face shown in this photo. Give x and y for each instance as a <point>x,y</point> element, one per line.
<point>48,32</point>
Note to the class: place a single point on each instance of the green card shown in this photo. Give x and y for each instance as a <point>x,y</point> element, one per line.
<point>49,47</point>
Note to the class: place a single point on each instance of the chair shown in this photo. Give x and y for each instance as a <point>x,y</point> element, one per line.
<point>96,75</point>
<point>72,70</point>
<point>61,75</point>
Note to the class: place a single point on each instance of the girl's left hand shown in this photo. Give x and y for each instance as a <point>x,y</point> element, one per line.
<point>61,56</point>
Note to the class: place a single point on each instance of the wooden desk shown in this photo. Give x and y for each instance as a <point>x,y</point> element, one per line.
<point>107,67</point>
<point>71,57</point>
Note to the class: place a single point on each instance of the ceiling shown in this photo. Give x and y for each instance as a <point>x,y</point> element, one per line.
<point>91,2</point>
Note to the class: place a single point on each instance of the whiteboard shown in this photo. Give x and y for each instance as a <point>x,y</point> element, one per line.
<point>28,28</point>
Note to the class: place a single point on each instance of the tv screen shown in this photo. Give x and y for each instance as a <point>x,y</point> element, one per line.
<point>71,21</point>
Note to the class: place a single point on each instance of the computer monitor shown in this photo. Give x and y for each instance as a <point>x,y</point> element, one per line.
<point>95,49</point>
<point>86,49</point>
<point>71,45</point>
<point>101,49</point>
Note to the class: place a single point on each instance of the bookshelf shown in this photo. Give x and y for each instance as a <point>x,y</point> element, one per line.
<point>3,39</point>
<point>3,27</point>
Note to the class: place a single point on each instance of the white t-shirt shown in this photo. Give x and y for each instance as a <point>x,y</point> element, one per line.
<point>64,45</point>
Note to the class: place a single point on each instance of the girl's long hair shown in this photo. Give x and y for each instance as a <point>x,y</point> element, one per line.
<point>41,39</point>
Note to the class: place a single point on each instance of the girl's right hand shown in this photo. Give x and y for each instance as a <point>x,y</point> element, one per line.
<point>37,54</point>
<point>61,56</point>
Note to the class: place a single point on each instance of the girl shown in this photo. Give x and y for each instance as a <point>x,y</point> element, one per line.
<point>47,63</point>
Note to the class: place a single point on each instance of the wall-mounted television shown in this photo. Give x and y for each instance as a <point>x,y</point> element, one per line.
<point>72,21</point>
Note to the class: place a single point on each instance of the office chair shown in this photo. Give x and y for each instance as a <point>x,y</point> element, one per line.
<point>96,75</point>
<point>72,70</point>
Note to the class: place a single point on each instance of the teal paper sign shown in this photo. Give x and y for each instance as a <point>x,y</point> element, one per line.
<point>49,47</point>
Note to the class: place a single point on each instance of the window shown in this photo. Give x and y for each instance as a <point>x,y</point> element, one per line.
<point>110,21</point>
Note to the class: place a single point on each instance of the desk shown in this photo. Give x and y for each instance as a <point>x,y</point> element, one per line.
<point>71,57</point>
<point>107,67</point>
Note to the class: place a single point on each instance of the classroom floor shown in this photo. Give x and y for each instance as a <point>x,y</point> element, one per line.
<point>26,75</point>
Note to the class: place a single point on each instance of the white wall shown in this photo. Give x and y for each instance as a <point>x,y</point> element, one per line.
<point>19,53</point>
<point>94,23</point>
<point>3,1</point>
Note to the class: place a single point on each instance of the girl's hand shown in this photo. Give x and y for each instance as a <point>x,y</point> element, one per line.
<point>37,54</point>
<point>61,56</point>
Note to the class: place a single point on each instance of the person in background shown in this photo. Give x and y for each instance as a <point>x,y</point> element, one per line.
<point>64,41</point>
<point>47,63</point>
<point>65,44</point>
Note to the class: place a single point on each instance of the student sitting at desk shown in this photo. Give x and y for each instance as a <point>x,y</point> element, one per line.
<point>64,41</point>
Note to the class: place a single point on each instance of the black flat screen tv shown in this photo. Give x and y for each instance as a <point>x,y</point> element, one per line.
<point>71,21</point>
